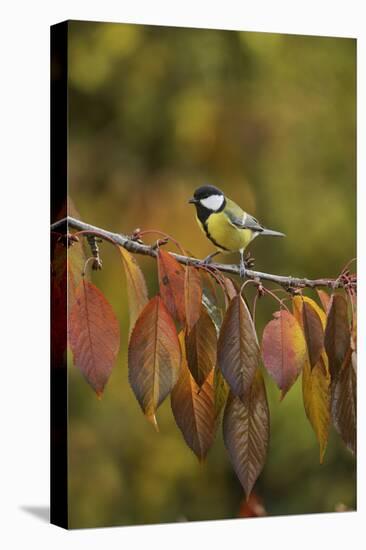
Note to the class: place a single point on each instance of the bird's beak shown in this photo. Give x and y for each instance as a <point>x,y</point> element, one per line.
<point>192,201</point>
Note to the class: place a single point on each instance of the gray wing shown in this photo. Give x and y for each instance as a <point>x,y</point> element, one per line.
<point>245,222</point>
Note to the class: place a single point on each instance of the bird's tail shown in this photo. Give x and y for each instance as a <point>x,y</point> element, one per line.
<point>270,233</point>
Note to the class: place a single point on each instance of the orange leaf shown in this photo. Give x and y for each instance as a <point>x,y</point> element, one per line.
<point>193,409</point>
<point>283,349</point>
<point>93,335</point>
<point>154,357</point>
<point>136,285</point>
<point>237,349</point>
<point>171,285</point>
<point>313,331</point>
<point>192,296</point>
<point>201,346</point>
<point>246,432</point>
<point>337,334</point>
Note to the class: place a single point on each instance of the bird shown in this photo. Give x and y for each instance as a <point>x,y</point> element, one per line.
<point>228,227</point>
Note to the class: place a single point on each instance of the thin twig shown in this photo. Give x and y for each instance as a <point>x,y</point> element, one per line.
<point>139,248</point>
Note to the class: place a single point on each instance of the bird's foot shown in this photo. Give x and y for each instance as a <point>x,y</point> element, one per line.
<point>208,259</point>
<point>242,270</point>
<point>249,260</point>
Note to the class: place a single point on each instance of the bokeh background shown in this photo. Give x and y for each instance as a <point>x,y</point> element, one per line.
<point>154,112</point>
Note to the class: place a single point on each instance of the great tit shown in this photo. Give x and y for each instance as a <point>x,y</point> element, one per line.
<point>227,226</point>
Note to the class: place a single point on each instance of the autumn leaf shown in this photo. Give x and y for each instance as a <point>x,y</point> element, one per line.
<point>283,349</point>
<point>237,349</point>
<point>315,382</point>
<point>136,285</point>
<point>221,392</point>
<point>193,409</point>
<point>154,357</point>
<point>171,285</point>
<point>246,432</point>
<point>192,296</point>
<point>201,346</point>
<point>337,334</point>
<point>317,397</point>
<point>313,331</point>
<point>344,404</point>
<point>93,335</point>
<point>297,303</point>
<point>324,298</point>
<point>231,290</point>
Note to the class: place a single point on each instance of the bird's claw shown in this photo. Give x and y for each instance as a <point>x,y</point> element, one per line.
<point>249,260</point>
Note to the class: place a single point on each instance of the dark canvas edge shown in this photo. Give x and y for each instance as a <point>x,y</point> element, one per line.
<point>58,377</point>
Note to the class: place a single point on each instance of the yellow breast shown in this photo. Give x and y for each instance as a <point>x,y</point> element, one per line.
<point>224,235</point>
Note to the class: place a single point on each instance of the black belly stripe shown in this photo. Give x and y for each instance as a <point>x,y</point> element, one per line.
<point>209,236</point>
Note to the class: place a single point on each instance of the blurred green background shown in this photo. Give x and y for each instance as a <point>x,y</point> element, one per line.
<point>154,112</point>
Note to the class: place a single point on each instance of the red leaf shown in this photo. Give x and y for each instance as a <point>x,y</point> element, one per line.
<point>171,285</point>
<point>246,433</point>
<point>93,335</point>
<point>154,357</point>
<point>283,349</point>
<point>237,348</point>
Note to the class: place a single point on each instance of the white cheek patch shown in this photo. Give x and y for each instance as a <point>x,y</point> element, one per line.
<point>214,202</point>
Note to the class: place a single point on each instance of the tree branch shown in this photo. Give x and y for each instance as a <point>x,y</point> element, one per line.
<point>137,247</point>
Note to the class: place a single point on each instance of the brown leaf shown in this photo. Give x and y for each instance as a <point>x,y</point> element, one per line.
<point>313,331</point>
<point>297,303</point>
<point>93,335</point>
<point>283,349</point>
<point>192,296</point>
<point>344,404</point>
<point>171,285</point>
<point>201,347</point>
<point>337,338</point>
<point>154,357</point>
<point>246,432</point>
<point>324,298</point>
<point>136,285</point>
<point>193,409</point>
<point>316,396</point>
<point>237,349</point>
